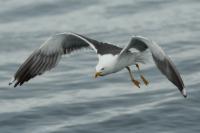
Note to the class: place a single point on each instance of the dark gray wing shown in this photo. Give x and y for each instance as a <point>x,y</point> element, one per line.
<point>162,61</point>
<point>49,54</point>
<point>103,48</point>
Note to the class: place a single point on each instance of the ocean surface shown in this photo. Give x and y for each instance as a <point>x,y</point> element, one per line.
<point>68,99</point>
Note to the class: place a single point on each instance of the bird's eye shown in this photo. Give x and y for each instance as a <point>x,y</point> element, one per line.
<point>102,68</point>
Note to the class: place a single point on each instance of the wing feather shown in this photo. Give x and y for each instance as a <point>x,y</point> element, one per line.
<point>162,61</point>
<point>49,54</point>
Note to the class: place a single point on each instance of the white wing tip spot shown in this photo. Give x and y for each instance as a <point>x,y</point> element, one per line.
<point>184,93</point>
<point>11,81</point>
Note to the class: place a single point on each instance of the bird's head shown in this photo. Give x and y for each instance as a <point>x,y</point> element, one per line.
<point>105,65</point>
<point>100,71</point>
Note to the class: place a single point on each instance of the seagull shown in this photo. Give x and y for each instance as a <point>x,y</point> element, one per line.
<point>111,58</point>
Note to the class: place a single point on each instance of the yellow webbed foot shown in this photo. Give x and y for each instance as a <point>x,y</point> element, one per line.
<point>146,82</point>
<point>136,82</point>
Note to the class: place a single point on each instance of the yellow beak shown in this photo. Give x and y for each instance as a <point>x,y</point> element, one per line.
<point>97,74</point>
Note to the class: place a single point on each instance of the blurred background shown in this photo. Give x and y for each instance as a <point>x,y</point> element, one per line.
<point>68,99</point>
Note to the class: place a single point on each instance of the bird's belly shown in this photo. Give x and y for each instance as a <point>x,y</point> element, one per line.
<point>122,63</point>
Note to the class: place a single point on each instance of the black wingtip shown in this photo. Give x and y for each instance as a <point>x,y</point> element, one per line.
<point>16,84</point>
<point>185,96</point>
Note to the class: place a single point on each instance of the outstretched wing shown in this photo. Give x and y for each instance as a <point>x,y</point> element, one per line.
<point>162,61</point>
<point>49,54</point>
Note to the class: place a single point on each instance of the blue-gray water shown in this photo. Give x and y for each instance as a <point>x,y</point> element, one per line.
<point>68,99</point>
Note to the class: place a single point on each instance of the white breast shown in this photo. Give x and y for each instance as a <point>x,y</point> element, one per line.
<point>112,63</point>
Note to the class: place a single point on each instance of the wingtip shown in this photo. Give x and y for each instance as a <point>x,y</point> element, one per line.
<point>184,93</point>
<point>11,81</point>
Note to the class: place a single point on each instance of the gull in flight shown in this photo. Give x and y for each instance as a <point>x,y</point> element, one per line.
<point>111,58</point>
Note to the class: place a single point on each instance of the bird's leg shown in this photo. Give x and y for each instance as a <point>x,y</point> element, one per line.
<point>146,82</point>
<point>136,82</point>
